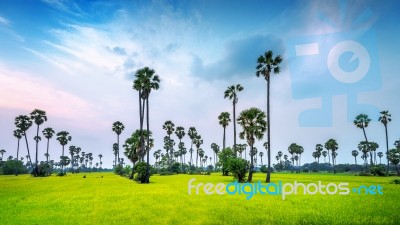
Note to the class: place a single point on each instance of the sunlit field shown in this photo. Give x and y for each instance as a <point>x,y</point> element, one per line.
<point>106,198</point>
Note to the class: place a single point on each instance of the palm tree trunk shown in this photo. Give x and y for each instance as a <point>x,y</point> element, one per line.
<point>268,179</point>
<point>234,126</point>
<point>118,148</point>
<point>16,166</point>
<point>62,164</point>
<point>148,141</point>
<point>387,150</point>
<point>355,159</point>
<point>250,178</point>
<point>36,158</point>
<point>223,139</point>
<point>329,157</point>
<point>370,153</point>
<point>27,147</point>
<point>47,151</point>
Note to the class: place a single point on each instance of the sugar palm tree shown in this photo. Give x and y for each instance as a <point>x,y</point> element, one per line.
<point>180,133</point>
<point>18,135</point>
<point>362,121</point>
<point>300,151</point>
<point>118,127</point>
<point>332,145</point>
<point>192,133</point>
<point>261,154</point>
<point>169,127</point>
<point>266,64</point>
<point>231,93</point>
<point>38,117</point>
<point>101,163</point>
<point>23,123</point>
<point>146,81</point>
<point>324,154</point>
<point>380,155</point>
<point>254,126</point>
<point>198,142</point>
<point>115,151</point>
<point>63,137</point>
<point>48,133</point>
<point>72,150</point>
<point>2,151</point>
<point>354,153</point>
<point>224,119</point>
<point>215,149</point>
<point>385,119</point>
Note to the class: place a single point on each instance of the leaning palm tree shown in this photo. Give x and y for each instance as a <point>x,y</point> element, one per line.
<point>231,93</point>
<point>118,127</point>
<point>18,135</point>
<point>254,126</point>
<point>38,117</point>
<point>354,153</point>
<point>362,121</point>
<point>224,119</point>
<point>385,119</point>
<point>266,64</point>
<point>146,80</point>
<point>48,133</point>
<point>23,123</point>
<point>63,137</point>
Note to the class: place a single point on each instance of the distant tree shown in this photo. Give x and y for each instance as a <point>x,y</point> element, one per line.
<point>215,149</point>
<point>115,151</point>
<point>254,126</point>
<point>118,127</point>
<point>23,123</point>
<point>362,121</point>
<point>332,145</point>
<point>324,154</point>
<point>224,119</point>
<point>261,155</point>
<point>180,133</point>
<point>380,155</point>
<point>63,137</point>
<point>354,153</point>
<point>394,157</point>
<point>385,118</point>
<point>48,133</point>
<point>18,134</point>
<point>2,151</point>
<point>231,93</point>
<point>192,133</point>
<point>38,117</point>
<point>266,64</point>
<point>198,142</point>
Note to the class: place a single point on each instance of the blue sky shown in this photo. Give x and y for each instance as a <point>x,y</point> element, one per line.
<point>75,59</point>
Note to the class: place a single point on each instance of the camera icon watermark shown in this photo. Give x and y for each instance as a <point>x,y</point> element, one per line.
<point>322,66</point>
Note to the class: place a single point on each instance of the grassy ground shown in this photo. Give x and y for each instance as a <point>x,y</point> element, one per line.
<point>116,200</point>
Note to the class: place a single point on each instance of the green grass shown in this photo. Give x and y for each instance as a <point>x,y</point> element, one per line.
<point>117,200</point>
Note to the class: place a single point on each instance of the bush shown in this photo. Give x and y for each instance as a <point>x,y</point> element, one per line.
<point>378,170</point>
<point>43,169</point>
<point>119,170</point>
<point>394,181</point>
<point>176,168</point>
<point>264,169</point>
<point>363,173</point>
<point>239,168</point>
<point>166,173</point>
<point>11,166</point>
<point>140,170</point>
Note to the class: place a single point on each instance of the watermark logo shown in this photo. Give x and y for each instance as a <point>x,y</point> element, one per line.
<point>279,189</point>
<point>326,65</point>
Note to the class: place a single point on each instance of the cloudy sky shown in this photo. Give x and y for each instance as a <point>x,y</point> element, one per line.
<point>75,60</point>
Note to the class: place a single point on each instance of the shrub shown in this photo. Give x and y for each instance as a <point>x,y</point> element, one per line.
<point>119,170</point>
<point>9,167</point>
<point>378,170</point>
<point>264,169</point>
<point>394,181</point>
<point>140,170</point>
<point>239,168</point>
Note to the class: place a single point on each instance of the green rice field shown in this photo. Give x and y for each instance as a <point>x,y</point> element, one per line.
<point>106,198</point>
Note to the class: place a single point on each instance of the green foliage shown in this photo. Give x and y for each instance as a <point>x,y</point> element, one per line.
<point>378,170</point>
<point>43,170</point>
<point>11,166</point>
<point>140,171</point>
<point>176,168</point>
<point>238,167</point>
<point>119,170</point>
<point>394,181</point>
<point>264,169</point>
<point>224,157</point>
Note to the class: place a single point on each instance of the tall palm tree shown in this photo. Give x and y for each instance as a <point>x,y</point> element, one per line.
<point>354,153</point>
<point>332,145</point>
<point>115,151</point>
<point>254,126</point>
<point>23,123</point>
<point>380,155</point>
<point>169,127</point>
<point>324,154</point>
<point>180,133</point>
<point>362,121</point>
<point>48,133</point>
<point>224,119</point>
<point>231,93</point>
<point>266,64</point>
<point>215,149</point>
<point>385,119</point>
<point>63,137</point>
<point>18,135</point>
<point>192,133</point>
<point>118,127</point>
<point>2,151</point>
<point>149,80</point>
<point>72,150</point>
<point>300,151</point>
<point>39,117</point>
<point>261,154</point>
<point>198,142</point>
<point>101,163</point>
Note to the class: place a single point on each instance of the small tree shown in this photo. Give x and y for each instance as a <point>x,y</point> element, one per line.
<point>238,167</point>
<point>223,162</point>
